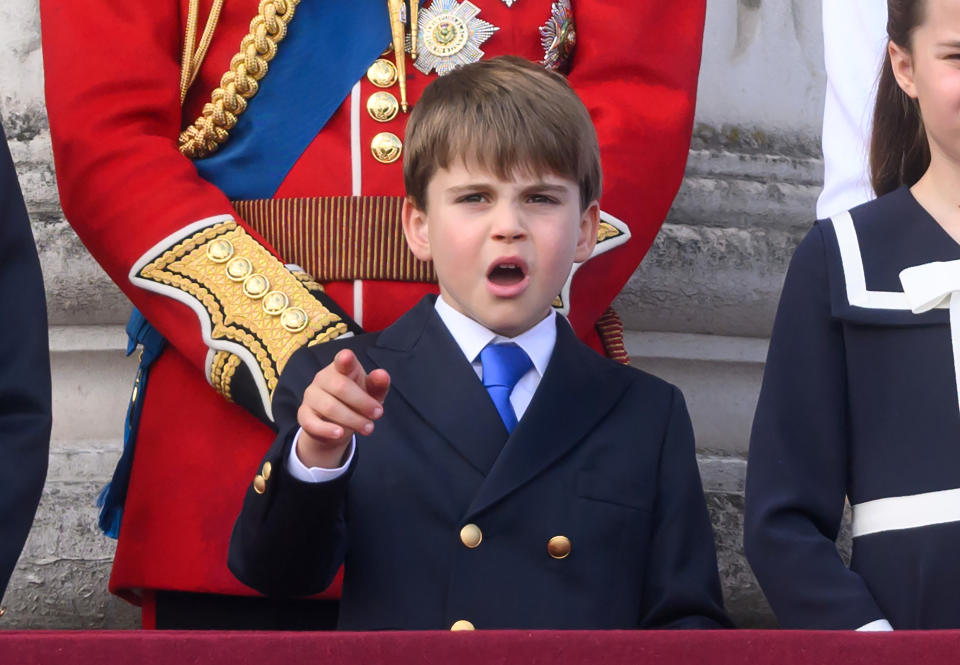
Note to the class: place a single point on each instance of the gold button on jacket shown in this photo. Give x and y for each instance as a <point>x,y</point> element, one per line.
<point>471,535</point>
<point>559,547</point>
<point>259,484</point>
<point>462,624</point>
<point>294,319</point>
<point>275,302</point>
<point>386,147</point>
<point>382,106</point>
<point>382,73</point>
<point>238,268</point>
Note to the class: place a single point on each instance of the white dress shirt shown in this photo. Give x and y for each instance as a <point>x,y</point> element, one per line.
<point>471,337</point>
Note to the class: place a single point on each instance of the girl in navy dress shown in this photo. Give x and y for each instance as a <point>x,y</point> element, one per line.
<point>861,393</point>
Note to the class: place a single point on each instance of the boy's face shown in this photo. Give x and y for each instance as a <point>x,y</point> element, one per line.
<point>502,249</point>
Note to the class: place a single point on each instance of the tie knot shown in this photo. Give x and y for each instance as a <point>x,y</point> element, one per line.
<point>503,365</point>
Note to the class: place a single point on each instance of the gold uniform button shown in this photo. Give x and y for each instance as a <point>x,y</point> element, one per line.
<point>267,469</point>
<point>382,73</point>
<point>462,624</point>
<point>294,319</point>
<point>382,106</point>
<point>559,547</point>
<point>275,302</point>
<point>256,286</point>
<point>239,268</point>
<point>259,484</point>
<point>220,251</point>
<point>471,536</point>
<point>386,147</point>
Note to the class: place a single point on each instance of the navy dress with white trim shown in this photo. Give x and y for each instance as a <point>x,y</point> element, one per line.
<point>860,401</point>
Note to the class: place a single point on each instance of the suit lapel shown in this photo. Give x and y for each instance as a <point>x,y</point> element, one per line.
<point>429,370</point>
<point>577,390</point>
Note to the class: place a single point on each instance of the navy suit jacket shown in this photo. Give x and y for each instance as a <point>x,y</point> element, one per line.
<point>24,372</point>
<point>604,455</point>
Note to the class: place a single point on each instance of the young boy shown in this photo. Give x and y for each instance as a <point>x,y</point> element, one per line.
<point>505,475</point>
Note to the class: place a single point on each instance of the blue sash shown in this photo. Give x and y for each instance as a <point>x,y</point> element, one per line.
<point>114,494</point>
<point>329,46</point>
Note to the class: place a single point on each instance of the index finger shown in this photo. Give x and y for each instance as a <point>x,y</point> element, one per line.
<point>346,363</point>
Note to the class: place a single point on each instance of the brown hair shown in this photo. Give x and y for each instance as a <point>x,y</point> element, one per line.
<point>899,152</point>
<point>506,114</point>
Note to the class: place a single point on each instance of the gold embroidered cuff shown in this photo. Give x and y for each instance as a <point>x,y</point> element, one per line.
<point>258,312</point>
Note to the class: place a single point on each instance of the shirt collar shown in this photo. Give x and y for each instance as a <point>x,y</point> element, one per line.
<point>471,337</point>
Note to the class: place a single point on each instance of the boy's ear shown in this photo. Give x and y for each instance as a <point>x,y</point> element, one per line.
<point>901,62</point>
<point>414,222</point>
<point>587,236</point>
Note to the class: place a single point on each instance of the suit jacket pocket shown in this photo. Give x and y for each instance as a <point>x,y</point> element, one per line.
<point>629,492</point>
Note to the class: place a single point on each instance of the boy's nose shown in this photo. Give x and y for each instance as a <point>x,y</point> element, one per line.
<point>508,226</point>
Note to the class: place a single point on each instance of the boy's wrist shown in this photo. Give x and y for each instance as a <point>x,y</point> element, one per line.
<point>319,453</point>
<point>297,469</point>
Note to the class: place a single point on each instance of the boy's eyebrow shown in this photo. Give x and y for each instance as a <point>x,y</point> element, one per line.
<point>469,187</point>
<point>482,184</point>
<point>546,186</point>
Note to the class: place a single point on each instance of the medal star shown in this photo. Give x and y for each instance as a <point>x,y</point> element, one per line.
<point>558,37</point>
<point>450,35</point>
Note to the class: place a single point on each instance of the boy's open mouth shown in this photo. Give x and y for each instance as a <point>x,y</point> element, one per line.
<point>508,277</point>
<point>506,274</point>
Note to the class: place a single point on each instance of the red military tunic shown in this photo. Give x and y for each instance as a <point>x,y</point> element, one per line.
<point>112,89</point>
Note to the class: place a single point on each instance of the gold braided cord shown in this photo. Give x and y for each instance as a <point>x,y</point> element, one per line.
<point>309,283</point>
<point>190,66</point>
<point>205,39</point>
<point>240,82</point>
<point>186,60</point>
<point>224,366</point>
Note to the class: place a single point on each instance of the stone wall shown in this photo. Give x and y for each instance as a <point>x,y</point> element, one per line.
<point>698,310</point>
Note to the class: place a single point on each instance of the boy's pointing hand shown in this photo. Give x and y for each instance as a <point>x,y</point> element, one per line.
<point>341,400</point>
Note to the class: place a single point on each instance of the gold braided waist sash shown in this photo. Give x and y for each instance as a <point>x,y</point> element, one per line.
<point>338,238</point>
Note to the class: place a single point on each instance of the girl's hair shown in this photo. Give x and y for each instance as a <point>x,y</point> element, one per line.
<point>899,153</point>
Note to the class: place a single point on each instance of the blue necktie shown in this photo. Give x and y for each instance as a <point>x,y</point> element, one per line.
<point>503,365</point>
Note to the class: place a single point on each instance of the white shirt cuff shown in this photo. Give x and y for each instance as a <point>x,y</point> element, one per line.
<point>875,626</point>
<point>315,474</point>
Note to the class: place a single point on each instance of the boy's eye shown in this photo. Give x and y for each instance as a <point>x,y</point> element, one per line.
<point>475,197</point>
<point>541,198</point>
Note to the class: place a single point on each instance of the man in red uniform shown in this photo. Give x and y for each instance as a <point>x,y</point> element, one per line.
<point>197,203</point>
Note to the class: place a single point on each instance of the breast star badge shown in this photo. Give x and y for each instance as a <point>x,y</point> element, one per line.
<point>558,36</point>
<point>449,36</point>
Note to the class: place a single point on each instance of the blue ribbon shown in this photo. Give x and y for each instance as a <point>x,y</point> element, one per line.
<point>328,48</point>
<point>113,496</point>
